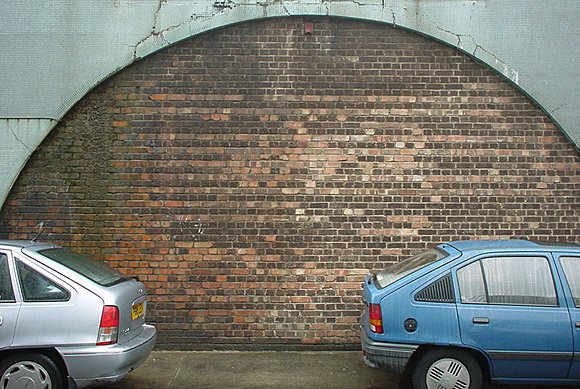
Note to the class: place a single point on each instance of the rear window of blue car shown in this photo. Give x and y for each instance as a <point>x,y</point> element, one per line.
<point>95,271</point>
<point>407,266</point>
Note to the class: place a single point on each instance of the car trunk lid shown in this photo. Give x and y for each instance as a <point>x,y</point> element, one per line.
<point>131,299</point>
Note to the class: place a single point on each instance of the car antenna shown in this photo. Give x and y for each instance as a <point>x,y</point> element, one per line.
<point>42,228</point>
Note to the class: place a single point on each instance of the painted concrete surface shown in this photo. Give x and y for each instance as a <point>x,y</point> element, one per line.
<point>55,52</point>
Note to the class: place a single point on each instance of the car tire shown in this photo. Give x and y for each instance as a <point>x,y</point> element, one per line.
<point>447,369</point>
<point>30,370</point>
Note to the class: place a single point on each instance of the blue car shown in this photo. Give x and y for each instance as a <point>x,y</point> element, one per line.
<point>507,311</point>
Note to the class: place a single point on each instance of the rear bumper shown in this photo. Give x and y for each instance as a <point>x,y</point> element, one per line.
<point>94,365</point>
<point>391,357</point>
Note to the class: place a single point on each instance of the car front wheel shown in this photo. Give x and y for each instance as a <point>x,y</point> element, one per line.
<point>447,369</point>
<point>30,371</point>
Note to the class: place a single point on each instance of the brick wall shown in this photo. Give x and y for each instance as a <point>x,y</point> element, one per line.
<point>254,175</point>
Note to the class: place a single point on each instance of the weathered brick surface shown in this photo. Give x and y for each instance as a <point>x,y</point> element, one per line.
<point>253,176</point>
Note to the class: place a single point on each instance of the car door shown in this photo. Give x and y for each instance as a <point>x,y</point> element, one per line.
<point>509,308</point>
<point>9,306</point>
<point>570,266</point>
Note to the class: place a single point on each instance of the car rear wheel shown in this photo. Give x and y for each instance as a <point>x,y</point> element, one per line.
<point>30,371</point>
<point>447,369</point>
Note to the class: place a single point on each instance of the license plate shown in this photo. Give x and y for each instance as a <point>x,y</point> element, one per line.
<point>137,311</point>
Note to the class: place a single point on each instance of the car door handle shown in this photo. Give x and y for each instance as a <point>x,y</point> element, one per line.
<point>1,320</point>
<point>480,320</point>
<point>577,324</point>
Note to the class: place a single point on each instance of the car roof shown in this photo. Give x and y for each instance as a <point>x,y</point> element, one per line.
<point>501,244</point>
<point>21,244</point>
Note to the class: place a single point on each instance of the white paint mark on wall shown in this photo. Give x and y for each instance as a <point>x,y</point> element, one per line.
<point>509,72</point>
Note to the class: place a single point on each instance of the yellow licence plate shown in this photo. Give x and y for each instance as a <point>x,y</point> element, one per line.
<point>137,311</point>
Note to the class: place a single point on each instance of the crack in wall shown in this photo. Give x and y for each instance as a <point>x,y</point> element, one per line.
<point>557,108</point>
<point>225,5</point>
<point>156,14</point>
<point>219,5</point>
<point>457,36</point>
<point>507,70</point>
<point>13,132</point>
<point>159,35</point>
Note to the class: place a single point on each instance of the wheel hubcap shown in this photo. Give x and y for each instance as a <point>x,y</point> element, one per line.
<point>448,373</point>
<point>27,375</point>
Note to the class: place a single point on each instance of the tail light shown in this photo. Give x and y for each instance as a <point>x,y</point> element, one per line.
<point>109,328</point>
<point>375,318</point>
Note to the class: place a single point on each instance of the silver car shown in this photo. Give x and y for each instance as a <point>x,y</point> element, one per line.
<point>66,320</point>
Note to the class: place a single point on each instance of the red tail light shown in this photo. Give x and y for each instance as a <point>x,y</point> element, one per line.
<point>375,318</point>
<point>109,328</point>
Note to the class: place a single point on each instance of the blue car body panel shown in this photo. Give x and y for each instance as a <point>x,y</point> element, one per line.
<point>522,344</point>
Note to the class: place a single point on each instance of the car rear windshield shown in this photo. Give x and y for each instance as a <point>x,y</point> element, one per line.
<point>407,266</point>
<point>95,271</point>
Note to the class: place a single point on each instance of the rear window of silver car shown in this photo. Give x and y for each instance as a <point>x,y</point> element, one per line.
<point>407,266</point>
<point>95,271</point>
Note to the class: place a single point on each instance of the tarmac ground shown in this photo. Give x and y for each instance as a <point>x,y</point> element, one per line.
<point>268,369</point>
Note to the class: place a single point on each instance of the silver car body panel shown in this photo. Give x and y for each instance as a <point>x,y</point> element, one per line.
<point>8,310</point>
<point>107,364</point>
<point>71,327</point>
<point>123,295</point>
<point>75,321</point>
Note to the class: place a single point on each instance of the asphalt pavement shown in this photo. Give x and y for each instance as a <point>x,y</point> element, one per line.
<point>271,369</point>
<point>268,369</point>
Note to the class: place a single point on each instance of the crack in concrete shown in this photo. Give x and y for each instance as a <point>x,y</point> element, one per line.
<point>220,5</point>
<point>224,5</point>
<point>14,134</point>
<point>557,108</point>
<point>457,36</point>
<point>159,34</point>
<point>508,71</point>
<point>156,14</point>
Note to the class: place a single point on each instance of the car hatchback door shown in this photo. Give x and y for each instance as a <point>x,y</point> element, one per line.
<point>510,310</point>
<point>54,311</point>
<point>9,306</point>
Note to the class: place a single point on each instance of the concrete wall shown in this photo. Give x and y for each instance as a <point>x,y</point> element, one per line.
<point>54,52</point>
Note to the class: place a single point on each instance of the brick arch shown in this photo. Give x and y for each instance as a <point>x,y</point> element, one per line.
<point>252,176</point>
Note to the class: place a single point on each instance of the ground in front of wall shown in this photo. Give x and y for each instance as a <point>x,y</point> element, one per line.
<point>289,370</point>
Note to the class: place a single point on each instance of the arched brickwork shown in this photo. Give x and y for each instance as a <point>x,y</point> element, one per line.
<point>254,175</point>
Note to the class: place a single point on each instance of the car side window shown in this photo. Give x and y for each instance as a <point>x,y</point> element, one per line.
<point>571,266</point>
<point>471,284</point>
<point>508,280</point>
<point>6,291</point>
<point>38,288</point>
